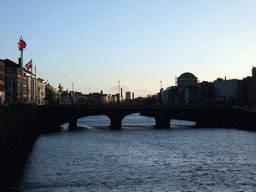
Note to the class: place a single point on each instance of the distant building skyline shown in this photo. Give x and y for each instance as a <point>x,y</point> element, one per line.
<point>220,91</point>
<point>97,43</point>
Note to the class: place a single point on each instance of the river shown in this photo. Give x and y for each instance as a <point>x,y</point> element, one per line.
<point>141,158</point>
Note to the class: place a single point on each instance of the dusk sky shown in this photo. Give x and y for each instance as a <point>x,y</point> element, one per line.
<point>96,43</point>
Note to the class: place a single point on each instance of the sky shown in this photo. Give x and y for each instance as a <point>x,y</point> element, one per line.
<point>140,43</point>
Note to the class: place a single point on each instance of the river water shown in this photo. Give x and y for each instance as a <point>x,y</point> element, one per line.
<point>141,158</point>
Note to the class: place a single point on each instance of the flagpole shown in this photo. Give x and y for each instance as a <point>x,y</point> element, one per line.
<point>22,45</point>
<point>21,75</point>
<point>31,85</point>
<point>35,85</point>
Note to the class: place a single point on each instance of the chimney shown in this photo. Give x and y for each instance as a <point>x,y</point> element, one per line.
<point>19,61</point>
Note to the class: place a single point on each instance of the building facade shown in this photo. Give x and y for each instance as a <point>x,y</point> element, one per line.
<point>228,89</point>
<point>249,89</point>
<point>205,93</point>
<point>184,92</point>
<point>32,88</point>
<point>39,97</point>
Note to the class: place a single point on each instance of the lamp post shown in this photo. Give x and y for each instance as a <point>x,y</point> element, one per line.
<point>118,98</point>
<point>161,89</point>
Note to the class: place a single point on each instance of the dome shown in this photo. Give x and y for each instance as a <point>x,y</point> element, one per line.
<point>187,79</point>
<point>187,76</point>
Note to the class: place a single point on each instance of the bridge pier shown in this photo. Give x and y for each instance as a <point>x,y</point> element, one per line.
<point>73,124</point>
<point>162,121</point>
<point>116,123</point>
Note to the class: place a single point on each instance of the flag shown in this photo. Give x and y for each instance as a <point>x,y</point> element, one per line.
<point>29,65</point>
<point>22,44</point>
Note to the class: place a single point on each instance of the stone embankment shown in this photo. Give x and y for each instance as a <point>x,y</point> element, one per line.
<point>20,126</point>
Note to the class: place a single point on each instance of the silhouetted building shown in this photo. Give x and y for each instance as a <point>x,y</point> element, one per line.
<point>174,95</point>
<point>187,79</point>
<point>249,89</point>
<point>205,93</point>
<point>228,89</point>
<point>97,98</point>
<point>165,96</point>
<point>128,95</point>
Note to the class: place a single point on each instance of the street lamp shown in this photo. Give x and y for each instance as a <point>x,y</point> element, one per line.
<point>118,98</point>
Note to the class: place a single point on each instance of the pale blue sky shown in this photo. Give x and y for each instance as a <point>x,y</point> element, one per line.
<point>96,43</point>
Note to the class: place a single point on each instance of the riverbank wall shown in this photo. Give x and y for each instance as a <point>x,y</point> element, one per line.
<point>19,128</point>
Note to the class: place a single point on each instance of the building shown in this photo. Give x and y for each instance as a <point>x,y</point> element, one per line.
<point>205,93</point>
<point>128,95</point>
<point>13,83</point>
<point>184,92</point>
<point>165,96</point>
<point>51,95</point>
<point>174,95</point>
<point>97,98</point>
<point>32,89</point>
<point>249,89</point>
<point>39,97</point>
<point>2,83</point>
<point>187,79</point>
<point>228,89</point>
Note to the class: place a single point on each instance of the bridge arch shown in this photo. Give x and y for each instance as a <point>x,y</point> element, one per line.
<point>116,114</point>
<point>135,119</point>
<point>94,121</point>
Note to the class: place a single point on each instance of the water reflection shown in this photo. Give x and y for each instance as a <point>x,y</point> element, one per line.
<point>142,160</point>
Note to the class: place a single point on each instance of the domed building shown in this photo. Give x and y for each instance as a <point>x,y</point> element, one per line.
<point>187,79</point>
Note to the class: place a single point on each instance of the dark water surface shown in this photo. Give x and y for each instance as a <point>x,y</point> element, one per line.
<point>140,158</point>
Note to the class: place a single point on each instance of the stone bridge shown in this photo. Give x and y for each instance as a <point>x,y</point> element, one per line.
<point>204,116</point>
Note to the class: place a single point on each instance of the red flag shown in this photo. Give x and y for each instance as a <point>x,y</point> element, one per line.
<point>22,44</point>
<point>29,65</point>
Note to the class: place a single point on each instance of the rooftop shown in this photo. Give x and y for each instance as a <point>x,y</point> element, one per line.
<point>187,75</point>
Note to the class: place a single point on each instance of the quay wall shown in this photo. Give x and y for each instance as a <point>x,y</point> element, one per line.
<point>19,128</point>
